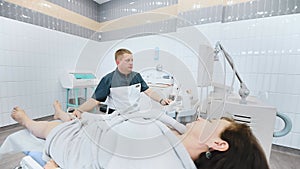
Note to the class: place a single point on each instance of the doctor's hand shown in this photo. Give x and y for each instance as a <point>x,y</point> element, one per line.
<point>165,102</point>
<point>77,113</point>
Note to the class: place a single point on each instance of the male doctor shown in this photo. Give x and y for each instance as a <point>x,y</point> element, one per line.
<point>121,87</point>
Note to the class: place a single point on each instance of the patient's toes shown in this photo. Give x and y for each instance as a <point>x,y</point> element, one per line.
<point>15,108</point>
<point>18,108</point>
<point>56,105</point>
<point>18,114</point>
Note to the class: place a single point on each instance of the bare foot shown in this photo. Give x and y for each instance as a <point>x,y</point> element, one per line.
<point>19,116</point>
<point>59,113</point>
<point>57,108</point>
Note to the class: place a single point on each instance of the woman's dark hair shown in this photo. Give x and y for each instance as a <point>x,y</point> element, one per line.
<point>244,151</point>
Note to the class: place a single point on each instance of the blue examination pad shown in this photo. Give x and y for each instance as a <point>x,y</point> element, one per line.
<point>37,156</point>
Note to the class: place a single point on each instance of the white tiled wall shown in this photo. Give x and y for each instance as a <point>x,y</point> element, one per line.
<point>31,60</point>
<point>266,52</point>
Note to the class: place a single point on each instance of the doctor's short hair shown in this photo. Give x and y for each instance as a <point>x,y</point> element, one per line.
<point>120,52</point>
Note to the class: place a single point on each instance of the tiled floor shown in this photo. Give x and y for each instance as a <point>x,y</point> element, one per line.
<point>9,161</point>
<point>284,160</point>
<point>281,158</point>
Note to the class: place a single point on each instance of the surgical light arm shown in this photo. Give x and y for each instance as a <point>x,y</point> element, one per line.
<point>244,91</point>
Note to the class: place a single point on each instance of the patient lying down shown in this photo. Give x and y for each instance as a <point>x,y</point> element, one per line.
<point>140,140</point>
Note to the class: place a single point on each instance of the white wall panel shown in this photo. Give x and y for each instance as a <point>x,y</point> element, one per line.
<point>296,126</point>
<point>31,60</point>
<point>295,140</point>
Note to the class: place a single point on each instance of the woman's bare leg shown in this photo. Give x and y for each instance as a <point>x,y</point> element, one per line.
<point>59,113</point>
<point>39,129</point>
